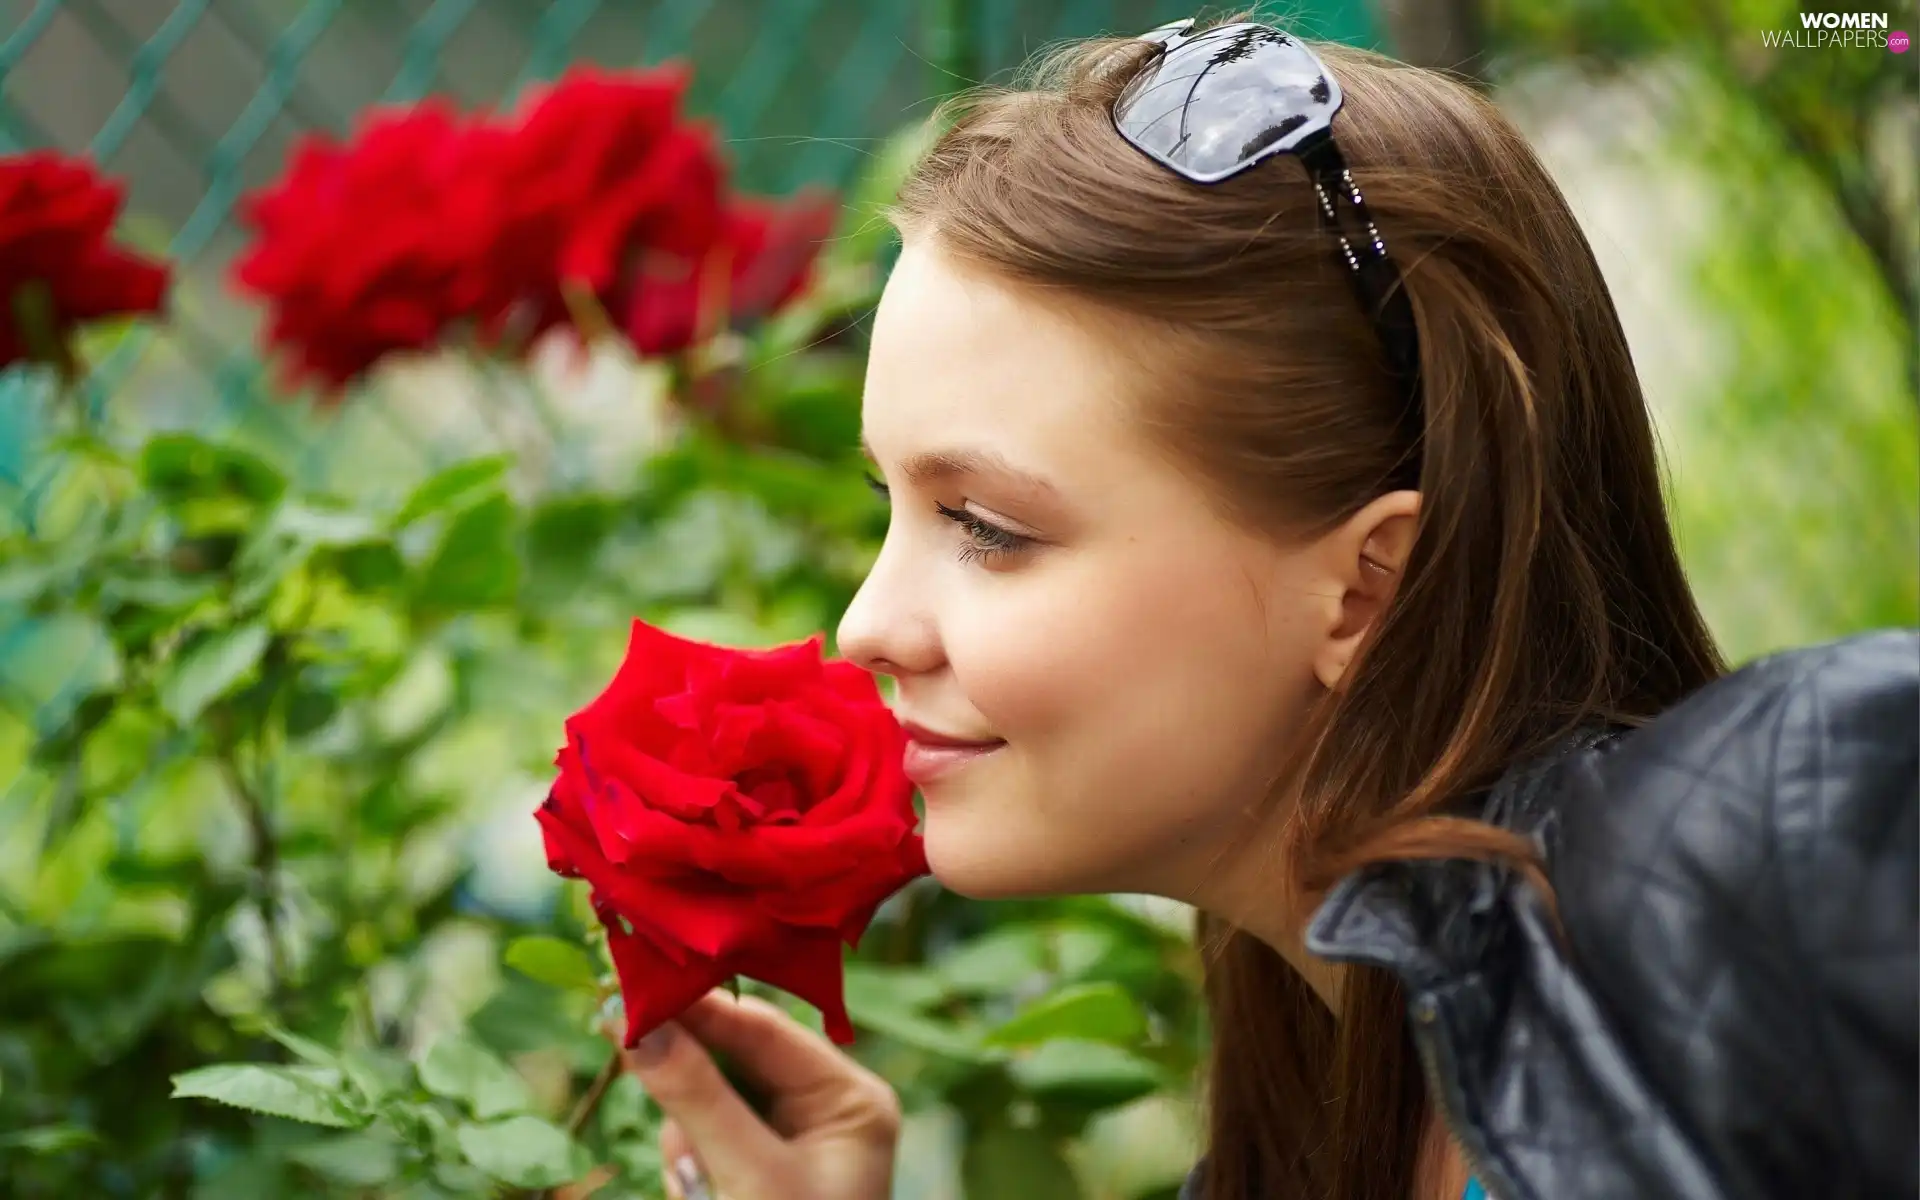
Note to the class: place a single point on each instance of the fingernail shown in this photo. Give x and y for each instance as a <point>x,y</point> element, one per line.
<point>691,1179</point>
<point>651,1049</point>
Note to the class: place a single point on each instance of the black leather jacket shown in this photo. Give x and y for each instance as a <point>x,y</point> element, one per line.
<point>1734,1012</point>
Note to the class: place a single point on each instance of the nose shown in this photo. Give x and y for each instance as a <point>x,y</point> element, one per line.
<point>888,629</point>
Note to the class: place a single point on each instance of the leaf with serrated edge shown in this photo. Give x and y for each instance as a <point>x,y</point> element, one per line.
<point>524,1151</point>
<point>296,1093</point>
<point>458,1068</point>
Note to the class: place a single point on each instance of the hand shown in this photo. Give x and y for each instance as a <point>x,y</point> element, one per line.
<point>831,1124</point>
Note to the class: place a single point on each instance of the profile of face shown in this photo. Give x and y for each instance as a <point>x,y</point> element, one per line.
<point>1055,590</point>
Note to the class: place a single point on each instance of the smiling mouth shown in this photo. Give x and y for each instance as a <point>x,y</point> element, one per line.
<point>924,761</point>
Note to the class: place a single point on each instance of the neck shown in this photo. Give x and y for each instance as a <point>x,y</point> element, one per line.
<point>1255,901</point>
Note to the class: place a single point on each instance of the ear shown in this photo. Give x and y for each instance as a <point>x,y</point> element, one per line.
<point>1365,556</point>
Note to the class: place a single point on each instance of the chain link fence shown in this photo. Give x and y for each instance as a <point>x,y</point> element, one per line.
<point>197,102</point>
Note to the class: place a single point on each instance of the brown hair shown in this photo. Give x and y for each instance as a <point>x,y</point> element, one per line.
<point>1543,591</point>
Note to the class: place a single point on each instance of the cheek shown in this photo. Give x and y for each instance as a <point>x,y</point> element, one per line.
<point>1039,655</point>
<point>1126,640</point>
<point>1142,701</point>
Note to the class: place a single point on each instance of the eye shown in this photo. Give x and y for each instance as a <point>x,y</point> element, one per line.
<point>873,481</point>
<point>988,542</point>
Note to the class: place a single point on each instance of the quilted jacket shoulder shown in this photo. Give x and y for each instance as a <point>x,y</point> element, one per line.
<point>1733,1012</point>
<point>1740,883</point>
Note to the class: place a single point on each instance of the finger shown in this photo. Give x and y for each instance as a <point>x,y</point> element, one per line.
<point>745,1156</point>
<point>776,1052</point>
<point>680,1169</point>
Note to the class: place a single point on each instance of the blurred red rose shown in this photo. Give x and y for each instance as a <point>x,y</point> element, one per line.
<point>57,267</point>
<point>774,244</point>
<point>614,193</point>
<point>595,202</point>
<point>602,177</point>
<point>737,812</point>
<point>762,258</point>
<point>380,245</point>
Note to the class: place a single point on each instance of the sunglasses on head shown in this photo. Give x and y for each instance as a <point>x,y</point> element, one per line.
<point>1213,104</point>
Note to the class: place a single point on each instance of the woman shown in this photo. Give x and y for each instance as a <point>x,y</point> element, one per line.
<point>1224,567</point>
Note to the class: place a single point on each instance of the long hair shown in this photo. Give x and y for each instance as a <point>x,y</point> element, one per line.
<point>1543,589</point>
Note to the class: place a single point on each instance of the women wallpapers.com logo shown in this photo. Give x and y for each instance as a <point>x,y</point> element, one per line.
<point>1839,30</point>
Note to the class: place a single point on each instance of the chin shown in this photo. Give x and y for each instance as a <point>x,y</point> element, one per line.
<point>986,863</point>
<point>976,866</point>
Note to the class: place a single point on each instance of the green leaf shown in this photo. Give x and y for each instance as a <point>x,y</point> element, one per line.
<point>564,534</point>
<point>183,466</point>
<point>525,1152</point>
<point>329,524</point>
<point>360,1160</point>
<point>215,666</point>
<point>367,567</point>
<point>1079,949</point>
<point>50,1139</point>
<point>310,705</point>
<point>908,989</point>
<point>552,961</point>
<point>23,582</point>
<point>1096,1012</point>
<point>166,593</point>
<point>637,1157</point>
<point>1017,1164</point>
<point>452,487</point>
<point>477,563</point>
<point>377,1077</point>
<point>1091,1074</point>
<point>996,961</point>
<point>625,1110</point>
<point>214,516</point>
<point>309,1094</point>
<point>416,697</point>
<point>458,1068</point>
<point>306,1049</point>
<point>927,1034</point>
<point>813,402</point>
<point>49,665</point>
<point>352,543</point>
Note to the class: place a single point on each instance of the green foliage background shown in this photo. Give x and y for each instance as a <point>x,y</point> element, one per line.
<point>280,688</point>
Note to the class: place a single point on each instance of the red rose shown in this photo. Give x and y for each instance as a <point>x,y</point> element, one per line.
<point>761,259</point>
<point>774,243</point>
<point>611,191</point>
<point>57,267</point>
<point>737,812</point>
<point>381,245</point>
<point>605,182</point>
<point>425,226</point>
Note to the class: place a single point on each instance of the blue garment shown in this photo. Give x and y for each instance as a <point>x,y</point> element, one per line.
<point>1474,1191</point>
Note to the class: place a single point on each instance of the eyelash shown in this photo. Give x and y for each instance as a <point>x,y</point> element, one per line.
<point>989,540</point>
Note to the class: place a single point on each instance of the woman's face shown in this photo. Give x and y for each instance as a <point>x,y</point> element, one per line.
<point>1054,586</point>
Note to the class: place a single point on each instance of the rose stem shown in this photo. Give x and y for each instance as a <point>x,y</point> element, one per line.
<point>585,1107</point>
<point>595,1093</point>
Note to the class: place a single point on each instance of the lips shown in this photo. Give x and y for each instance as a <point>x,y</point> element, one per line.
<point>928,737</point>
<point>930,755</point>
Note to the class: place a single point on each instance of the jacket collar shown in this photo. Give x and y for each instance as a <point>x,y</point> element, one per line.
<point>1431,920</point>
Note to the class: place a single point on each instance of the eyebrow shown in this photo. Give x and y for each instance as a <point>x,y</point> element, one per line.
<point>935,466</point>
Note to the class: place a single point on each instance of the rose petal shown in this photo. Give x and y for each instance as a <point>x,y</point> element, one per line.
<point>653,988</point>
<point>810,966</point>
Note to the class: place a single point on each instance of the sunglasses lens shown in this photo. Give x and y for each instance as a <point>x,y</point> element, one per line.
<point>1226,99</point>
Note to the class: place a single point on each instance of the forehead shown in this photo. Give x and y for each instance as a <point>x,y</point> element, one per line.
<point>959,356</point>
